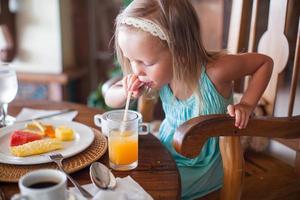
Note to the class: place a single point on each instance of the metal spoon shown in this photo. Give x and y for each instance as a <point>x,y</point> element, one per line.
<point>102,177</point>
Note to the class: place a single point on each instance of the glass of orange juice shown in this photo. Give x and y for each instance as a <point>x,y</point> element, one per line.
<point>123,140</point>
<point>146,104</point>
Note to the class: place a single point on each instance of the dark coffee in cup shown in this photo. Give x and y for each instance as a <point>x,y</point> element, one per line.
<point>41,185</point>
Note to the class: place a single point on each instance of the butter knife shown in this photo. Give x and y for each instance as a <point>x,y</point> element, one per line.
<point>47,116</point>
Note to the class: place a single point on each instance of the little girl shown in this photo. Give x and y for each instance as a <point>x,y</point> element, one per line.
<point>158,45</point>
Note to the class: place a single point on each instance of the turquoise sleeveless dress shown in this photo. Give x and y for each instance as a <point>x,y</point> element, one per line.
<point>203,174</point>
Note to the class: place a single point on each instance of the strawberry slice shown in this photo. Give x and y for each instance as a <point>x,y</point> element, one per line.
<point>20,137</point>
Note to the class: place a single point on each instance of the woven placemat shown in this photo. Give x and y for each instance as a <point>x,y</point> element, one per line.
<point>12,173</point>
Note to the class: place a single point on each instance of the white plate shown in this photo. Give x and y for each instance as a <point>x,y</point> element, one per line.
<point>84,137</point>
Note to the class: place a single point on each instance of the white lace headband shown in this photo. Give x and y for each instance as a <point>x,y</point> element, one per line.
<point>144,24</point>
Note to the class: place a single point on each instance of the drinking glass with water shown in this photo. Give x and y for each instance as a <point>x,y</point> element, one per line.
<point>8,91</point>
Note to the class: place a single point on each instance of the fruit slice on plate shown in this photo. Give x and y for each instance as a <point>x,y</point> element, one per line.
<point>36,127</point>
<point>20,137</point>
<point>64,133</point>
<point>41,129</point>
<point>49,130</point>
<point>36,147</point>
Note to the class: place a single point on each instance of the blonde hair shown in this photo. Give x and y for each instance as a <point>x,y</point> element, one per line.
<point>179,21</point>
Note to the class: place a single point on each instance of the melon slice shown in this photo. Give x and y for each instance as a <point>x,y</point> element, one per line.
<point>20,137</point>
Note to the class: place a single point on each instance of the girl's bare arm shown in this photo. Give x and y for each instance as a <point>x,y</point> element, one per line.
<point>234,67</point>
<point>115,96</point>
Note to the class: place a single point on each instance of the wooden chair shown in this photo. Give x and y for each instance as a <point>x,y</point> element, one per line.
<point>190,136</point>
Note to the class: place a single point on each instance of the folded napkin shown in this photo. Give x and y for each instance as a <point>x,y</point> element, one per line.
<point>28,113</point>
<point>126,189</point>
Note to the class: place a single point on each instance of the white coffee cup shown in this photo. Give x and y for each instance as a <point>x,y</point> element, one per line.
<point>33,185</point>
<point>101,121</point>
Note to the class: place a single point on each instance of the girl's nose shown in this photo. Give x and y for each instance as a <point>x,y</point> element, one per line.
<point>137,68</point>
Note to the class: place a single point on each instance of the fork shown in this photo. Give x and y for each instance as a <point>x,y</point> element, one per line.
<point>2,196</point>
<point>58,158</point>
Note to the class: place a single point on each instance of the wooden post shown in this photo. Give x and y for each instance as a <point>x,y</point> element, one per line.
<point>233,166</point>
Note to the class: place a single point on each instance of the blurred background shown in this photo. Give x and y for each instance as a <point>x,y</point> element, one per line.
<point>63,49</point>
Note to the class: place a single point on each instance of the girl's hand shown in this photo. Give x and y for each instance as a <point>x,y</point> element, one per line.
<point>133,84</point>
<point>241,112</point>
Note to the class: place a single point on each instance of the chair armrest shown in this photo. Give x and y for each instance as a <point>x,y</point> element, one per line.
<point>191,135</point>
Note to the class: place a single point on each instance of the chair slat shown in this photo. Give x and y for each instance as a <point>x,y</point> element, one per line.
<point>296,68</point>
<point>278,51</point>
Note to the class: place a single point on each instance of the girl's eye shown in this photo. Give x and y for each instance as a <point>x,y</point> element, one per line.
<point>145,64</point>
<point>148,64</point>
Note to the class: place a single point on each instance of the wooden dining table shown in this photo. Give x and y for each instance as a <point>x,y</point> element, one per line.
<point>156,173</point>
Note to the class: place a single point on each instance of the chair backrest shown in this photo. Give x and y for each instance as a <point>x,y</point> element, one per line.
<point>272,43</point>
<point>190,136</point>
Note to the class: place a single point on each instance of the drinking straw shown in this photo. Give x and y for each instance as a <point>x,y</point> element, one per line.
<point>127,106</point>
<point>123,124</point>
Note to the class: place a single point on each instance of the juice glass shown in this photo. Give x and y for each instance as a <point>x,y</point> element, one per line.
<point>123,140</point>
<point>146,104</point>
